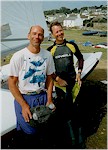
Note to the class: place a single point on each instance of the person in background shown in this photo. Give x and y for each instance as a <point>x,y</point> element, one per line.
<point>30,81</point>
<point>62,52</point>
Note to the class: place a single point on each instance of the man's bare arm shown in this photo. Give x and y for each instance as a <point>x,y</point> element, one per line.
<point>12,82</point>
<point>49,86</point>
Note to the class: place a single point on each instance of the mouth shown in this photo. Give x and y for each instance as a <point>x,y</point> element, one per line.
<point>60,36</point>
<point>37,41</point>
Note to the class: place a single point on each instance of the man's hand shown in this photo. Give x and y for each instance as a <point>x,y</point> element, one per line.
<point>26,112</point>
<point>78,79</point>
<point>60,81</point>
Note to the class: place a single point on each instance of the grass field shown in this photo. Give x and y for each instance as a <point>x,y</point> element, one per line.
<point>77,36</point>
<point>97,140</point>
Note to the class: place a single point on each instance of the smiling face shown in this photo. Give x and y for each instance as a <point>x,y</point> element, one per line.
<point>58,34</point>
<point>36,35</point>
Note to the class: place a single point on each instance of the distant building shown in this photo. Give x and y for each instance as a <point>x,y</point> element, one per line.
<point>57,17</point>
<point>85,13</point>
<point>73,21</point>
<point>50,18</point>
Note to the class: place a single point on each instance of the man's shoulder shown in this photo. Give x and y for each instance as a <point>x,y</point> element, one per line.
<point>72,43</point>
<point>50,47</point>
<point>19,53</point>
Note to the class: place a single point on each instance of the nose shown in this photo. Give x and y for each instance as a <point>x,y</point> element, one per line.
<point>36,35</point>
<point>60,32</point>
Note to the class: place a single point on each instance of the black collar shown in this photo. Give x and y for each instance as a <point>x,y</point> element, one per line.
<point>64,43</point>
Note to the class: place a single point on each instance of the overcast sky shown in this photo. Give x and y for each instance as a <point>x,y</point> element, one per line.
<point>71,4</point>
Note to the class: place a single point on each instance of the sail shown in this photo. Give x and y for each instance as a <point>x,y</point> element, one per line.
<point>16,19</point>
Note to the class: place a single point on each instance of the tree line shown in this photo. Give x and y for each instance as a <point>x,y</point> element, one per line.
<point>65,10</point>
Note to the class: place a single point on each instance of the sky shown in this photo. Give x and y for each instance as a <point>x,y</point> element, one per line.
<point>71,4</point>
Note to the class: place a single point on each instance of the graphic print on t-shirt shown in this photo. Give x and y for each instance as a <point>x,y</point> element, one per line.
<point>36,71</point>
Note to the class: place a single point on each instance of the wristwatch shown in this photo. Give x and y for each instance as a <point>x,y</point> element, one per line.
<point>51,106</point>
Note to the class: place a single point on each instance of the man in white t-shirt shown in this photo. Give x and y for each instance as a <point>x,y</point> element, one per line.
<point>30,76</point>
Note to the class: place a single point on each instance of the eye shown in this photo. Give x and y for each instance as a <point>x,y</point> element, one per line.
<point>34,33</point>
<point>41,35</point>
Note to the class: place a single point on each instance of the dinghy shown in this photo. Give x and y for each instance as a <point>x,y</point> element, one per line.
<point>88,33</point>
<point>90,62</point>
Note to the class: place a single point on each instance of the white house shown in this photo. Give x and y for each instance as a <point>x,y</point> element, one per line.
<point>50,18</point>
<point>85,13</point>
<point>73,21</point>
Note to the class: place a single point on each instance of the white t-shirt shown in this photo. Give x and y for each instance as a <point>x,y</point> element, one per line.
<point>31,69</point>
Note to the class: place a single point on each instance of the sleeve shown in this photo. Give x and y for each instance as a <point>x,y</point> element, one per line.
<point>50,66</point>
<point>14,66</point>
<point>79,57</point>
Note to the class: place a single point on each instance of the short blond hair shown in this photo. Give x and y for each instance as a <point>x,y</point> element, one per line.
<point>35,26</point>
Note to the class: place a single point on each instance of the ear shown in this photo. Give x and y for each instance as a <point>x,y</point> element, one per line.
<point>28,36</point>
<point>52,35</point>
<point>42,39</point>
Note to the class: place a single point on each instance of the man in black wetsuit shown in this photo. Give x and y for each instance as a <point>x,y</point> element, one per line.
<point>62,52</point>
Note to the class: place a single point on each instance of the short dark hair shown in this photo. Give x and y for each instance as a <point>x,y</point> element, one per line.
<point>56,23</point>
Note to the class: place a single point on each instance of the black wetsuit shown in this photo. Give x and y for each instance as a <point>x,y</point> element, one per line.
<point>64,65</point>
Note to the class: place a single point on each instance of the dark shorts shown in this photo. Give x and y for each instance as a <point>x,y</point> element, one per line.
<point>32,100</point>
